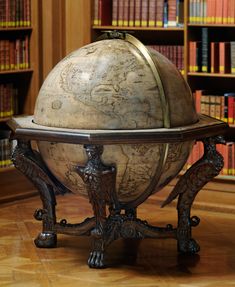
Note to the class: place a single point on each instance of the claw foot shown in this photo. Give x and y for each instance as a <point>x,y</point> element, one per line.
<point>96,259</point>
<point>46,240</point>
<point>189,246</point>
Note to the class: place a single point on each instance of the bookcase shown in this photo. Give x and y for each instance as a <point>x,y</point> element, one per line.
<point>19,81</point>
<point>200,22</point>
<point>60,26</point>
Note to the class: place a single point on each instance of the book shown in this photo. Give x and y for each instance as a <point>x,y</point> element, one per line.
<point>232,55</point>
<point>205,50</point>
<point>120,12</point>
<point>96,12</point>
<point>6,149</point>
<point>218,11</point>
<point>160,11</point>
<point>105,12</point>
<point>126,7</point>
<point>115,12</point>
<point>172,21</point>
<point>224,58</point>
<point>131,13</point>
<point>165,14</point>
<point>229,100</point>
<point>138,5</point>
<point>225,12</point>
<point>214,57</point>
<point>180,13</point>
<point>152,13</point>
<point>144,13</point>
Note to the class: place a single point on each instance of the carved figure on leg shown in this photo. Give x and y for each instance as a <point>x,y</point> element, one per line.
<point>100,181</point>
<point>31,165</point>
<point>187,188</point>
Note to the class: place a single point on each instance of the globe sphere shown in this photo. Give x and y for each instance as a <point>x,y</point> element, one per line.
<point>116,84</point>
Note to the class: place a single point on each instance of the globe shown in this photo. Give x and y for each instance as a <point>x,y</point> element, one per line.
<point>116,84</point>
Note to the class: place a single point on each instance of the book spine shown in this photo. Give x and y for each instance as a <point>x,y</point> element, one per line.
<point>218,12</point>
<point>218,107</point>
<point>12,13</point>
<point>28,13</point>
<point>120,12</point>
<point>96,13</point>
<point>165,14</point>
<point>21,13</point>
<point>172,22</point>
<point>224,58</point>
<point>198,94</point>
<point>152,13</point>
<point>144,13</point>
<point>115,12</point>
<point>2,55</point>
<point>232,20</point>
<point>225,12</point>
<point>105,12</point>
<point>132,13</point>
<point>138,4</point>
<point>205,50</point>
<point>7,55</point>
<point>232,54</point>
<point>126,13</point>
<point>159,16</point>
<point>180,13</point>
<point>214,57</point>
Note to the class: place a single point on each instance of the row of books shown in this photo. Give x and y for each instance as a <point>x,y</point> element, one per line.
<point>219,106</point>
<point>8,100</point>
<point>15,13</point>
<point>227,151</point>
<point>138,13</point>
<point>207,55</point>
<point>6,149</point>
<point>212,11</point>
<point>14,54</point>
<point>219,57</point>
<point>175,53</point>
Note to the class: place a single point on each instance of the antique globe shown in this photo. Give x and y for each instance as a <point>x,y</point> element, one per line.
<point>115,122</point>
<point>116,85</point>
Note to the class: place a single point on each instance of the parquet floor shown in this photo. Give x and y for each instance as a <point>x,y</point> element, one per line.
<point>149,263</point>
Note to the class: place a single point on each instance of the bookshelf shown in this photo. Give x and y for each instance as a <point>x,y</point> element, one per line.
<point>19,80</point>
<point>195,20</point>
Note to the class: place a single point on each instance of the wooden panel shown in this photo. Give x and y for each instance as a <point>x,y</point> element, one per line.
<point>65,27</point>
<point>78,24</point>
<point>34,60</point>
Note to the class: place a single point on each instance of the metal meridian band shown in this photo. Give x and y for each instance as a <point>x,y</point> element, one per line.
<point>165,107</point>
<point>123,35</point>
<point>152,63</point>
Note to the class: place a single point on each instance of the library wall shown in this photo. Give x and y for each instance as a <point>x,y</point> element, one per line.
<point>61,26</point>
<point>66,26</point>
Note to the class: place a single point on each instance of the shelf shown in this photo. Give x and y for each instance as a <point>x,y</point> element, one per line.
<point>218,75</point>
<point>6,169</point>
<point>211,25</point>
<point>4,119</point>
<point>128,28</point>
<point>16,71</point>
<point>9,29</point>
<point>225,177</point>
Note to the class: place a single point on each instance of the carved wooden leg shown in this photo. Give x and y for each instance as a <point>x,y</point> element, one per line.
<point>187,188</point>
<point>100,181</point>
<point>30,164</point>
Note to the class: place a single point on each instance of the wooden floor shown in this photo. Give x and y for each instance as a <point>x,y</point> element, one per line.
<point>134,263</point>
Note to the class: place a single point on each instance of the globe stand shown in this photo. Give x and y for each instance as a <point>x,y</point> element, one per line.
<point>100,179</point>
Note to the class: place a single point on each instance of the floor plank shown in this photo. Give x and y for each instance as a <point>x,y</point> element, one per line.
<point>132,263</point>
